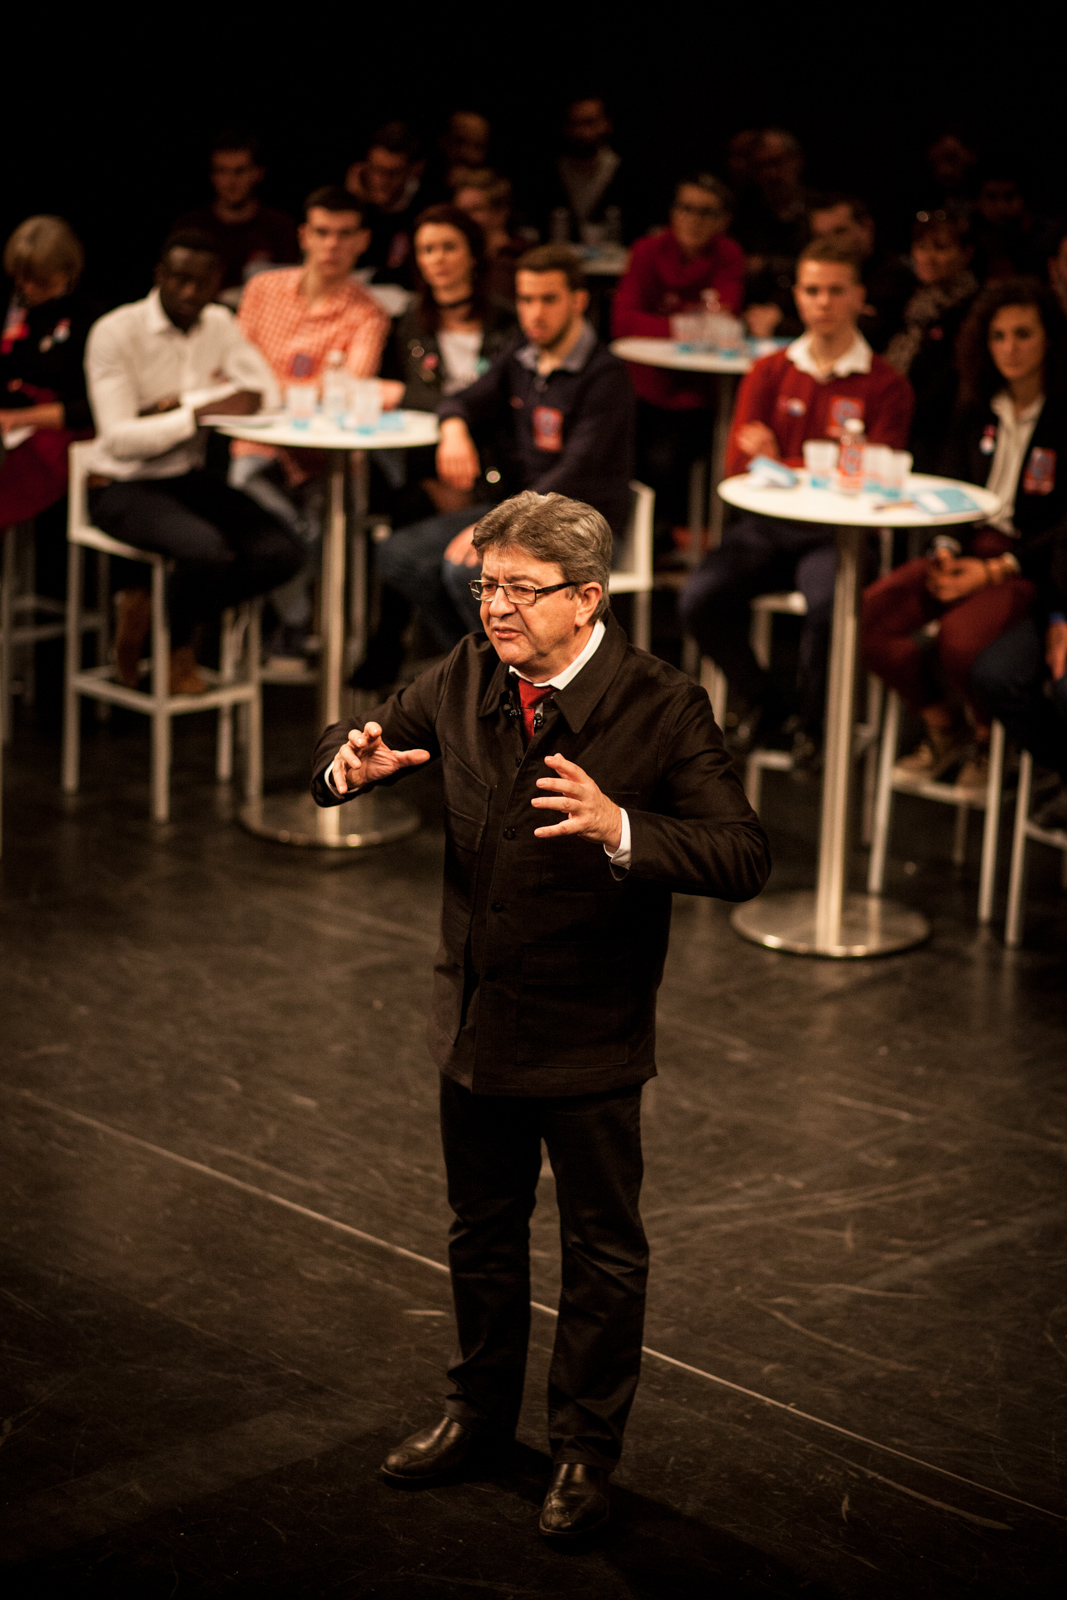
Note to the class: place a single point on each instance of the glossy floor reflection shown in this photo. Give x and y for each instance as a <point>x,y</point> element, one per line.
<point>223,1218</point>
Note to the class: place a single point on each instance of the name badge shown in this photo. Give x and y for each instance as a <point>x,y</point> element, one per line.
<point>1040,474</point>
<point>792,404</point>
<point>548,428</point>
<point>301,365</point>
<point>988,442</point>
<point>842,410</point>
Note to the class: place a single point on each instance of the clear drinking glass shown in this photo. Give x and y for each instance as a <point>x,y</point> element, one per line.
<point>896,475</point>
<point>877,468</point>
<point>820,459</point>
<point>365,400</point>
<point>301,400</point>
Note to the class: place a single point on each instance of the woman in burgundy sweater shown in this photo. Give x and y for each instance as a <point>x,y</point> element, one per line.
<point>667,274</point>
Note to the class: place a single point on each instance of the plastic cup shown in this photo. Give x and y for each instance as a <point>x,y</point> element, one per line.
<point>301,400</point>
<point>687,327</point>
<point>877,468</point>
<point>820,460</point>
<point>365,399</point>
<point>896,473</point>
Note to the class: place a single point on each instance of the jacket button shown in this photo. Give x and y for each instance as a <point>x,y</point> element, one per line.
<point>497,905</point>
<point>509,833</point>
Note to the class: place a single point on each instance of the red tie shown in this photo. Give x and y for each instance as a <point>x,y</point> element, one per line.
<point>530,697</point>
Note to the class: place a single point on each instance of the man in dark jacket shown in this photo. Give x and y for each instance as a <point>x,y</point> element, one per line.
<point>553,944</point>
<point>571,409</point>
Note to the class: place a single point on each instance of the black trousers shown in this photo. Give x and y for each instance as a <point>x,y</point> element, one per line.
<point>226,547</point>
<point>760,555</point>
<point>492,1146</point>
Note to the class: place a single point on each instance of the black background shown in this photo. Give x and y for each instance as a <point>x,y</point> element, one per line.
<point>109,116</point>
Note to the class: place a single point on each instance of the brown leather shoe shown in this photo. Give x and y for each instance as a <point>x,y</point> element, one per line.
<point>431,1454</point>
<point>184,676</point>
<point>576,1503</point>
<point>133,618</point>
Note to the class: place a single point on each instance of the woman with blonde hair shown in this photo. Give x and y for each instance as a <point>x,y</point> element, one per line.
<point>43,403</point>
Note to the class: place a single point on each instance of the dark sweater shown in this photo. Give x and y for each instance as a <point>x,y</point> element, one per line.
<point>42,358</point>
<point>574,429</point>
<point>1039,512</point>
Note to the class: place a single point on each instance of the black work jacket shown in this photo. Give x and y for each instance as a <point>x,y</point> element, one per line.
<point>416,359</point>
<point>1039,512</point>
<point>545,980</point>
<point>584,410</point>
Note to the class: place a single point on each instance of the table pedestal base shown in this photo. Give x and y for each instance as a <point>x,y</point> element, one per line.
<point>870,926</point>
<point>376,818</point>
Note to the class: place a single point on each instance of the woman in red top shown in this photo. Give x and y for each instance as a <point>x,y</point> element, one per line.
<point>667,274</point>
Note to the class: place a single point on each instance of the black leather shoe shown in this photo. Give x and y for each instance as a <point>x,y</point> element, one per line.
<point>577,1501</point>
<point>430,1455</point>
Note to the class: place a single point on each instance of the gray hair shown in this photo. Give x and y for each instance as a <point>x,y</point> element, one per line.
<point>551,527</point>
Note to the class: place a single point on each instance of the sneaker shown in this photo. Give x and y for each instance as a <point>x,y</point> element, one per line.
<point>930,760</point>
<point>974,773</point>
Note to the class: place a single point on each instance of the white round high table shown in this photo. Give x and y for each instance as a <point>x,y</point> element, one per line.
<point>380,816</point>
<point>727,369</point>
<point>829,921</point>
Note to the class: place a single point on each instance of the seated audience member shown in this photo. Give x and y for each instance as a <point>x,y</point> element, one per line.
<point>886,276</point>
<point>298,318</point>
<point>157,371</point>
<point>586,201</point>
<point>807,391</point>
<point>387,185</point>
<point>1007,241</point>
<point>570,410</point>
<point>979,584</point>
<point>248,234</point>
<point>486,197</point>
<point>924,349</point>
<point>951,170</point>
<point>42,379</point>
<point>772,226</point>
<point>447,338</point>
<point>668,273</point>
<point>464,147</point>
<point>1022,680</point>
<point>1056,253</point>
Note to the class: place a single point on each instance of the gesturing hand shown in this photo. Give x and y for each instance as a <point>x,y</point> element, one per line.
<point>367,759</point>
<point>756,439</point>
<point>590,814</point>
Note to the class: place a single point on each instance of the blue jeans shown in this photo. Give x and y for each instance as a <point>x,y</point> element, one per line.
<point>412,562</point>
<point>1010,679</point>
<point>761,555</point>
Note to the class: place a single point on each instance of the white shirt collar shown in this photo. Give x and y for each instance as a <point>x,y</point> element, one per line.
<point>561,680</point>
<point>857,358</point>
<point>159,322</point>
<point>1004,407</point>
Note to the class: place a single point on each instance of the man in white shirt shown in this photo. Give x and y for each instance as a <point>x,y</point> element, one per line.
<point>158,370</point>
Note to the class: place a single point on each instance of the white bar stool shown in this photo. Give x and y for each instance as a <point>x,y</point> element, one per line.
<point>945,794</point>
<point>236,683</point>
<point>634,575</point>
<point>1023,832</point>
<point>28,619</point>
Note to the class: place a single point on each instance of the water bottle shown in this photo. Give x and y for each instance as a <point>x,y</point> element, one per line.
<point>850,457</point>
<point>335,387</point>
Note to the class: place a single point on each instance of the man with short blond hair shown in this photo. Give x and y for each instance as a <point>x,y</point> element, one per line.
<point>585,782</point>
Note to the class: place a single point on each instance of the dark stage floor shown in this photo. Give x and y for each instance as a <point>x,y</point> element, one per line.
<point>223,1226</point>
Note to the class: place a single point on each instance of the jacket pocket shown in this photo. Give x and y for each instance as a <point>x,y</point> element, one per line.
<point>579,1005</point>
<point>466,802</point>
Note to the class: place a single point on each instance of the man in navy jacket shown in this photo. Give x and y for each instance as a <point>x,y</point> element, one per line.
<point>572,409</point>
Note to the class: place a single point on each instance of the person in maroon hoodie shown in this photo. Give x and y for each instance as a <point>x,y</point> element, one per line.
<point>667,274</point>
<point>806,391</point>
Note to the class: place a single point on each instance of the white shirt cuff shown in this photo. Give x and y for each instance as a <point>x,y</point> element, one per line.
<point>621,857</point>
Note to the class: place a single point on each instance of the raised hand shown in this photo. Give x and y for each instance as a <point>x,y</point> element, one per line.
<point>590,814</point>
<point>366,758</point>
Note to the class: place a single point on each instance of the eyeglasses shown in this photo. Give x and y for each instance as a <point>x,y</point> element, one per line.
<point>516,594</point>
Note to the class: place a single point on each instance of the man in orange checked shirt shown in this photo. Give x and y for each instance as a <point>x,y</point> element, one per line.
<point>297,317</point>
<point>807,391</point>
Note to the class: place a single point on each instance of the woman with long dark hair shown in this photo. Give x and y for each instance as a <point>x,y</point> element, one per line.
<point>1010,433</point>
<point>446,339</point>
